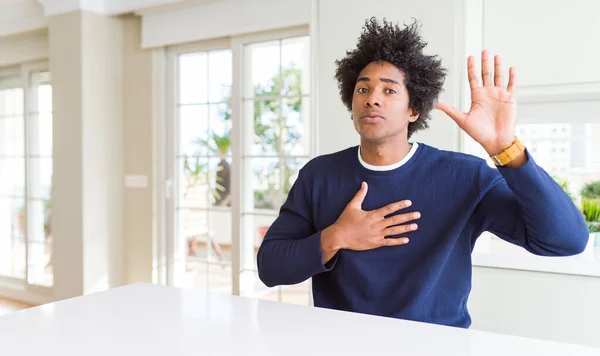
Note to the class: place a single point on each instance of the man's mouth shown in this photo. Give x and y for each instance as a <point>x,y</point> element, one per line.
<point>371,119</point>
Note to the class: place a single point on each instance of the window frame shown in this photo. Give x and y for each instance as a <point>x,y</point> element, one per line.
<point>13,287</point>
<point>534,108</point>
<point>171,141</point>
<point>239,76</point>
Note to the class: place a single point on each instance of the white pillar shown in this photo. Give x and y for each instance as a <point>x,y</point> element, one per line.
<point>86,58</point>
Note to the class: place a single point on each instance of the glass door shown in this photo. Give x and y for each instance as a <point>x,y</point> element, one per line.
<point>276,144</point>
<point>199,223</point>
<point>26,179</point>
<point>239,130</point>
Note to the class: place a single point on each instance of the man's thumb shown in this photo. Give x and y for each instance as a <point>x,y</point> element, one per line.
<point>360,195</point>
<point>454,113</point>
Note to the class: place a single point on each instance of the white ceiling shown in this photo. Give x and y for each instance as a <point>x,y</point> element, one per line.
<point>19,16</point>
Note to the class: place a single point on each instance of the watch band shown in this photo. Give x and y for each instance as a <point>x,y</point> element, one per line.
<point>509,153</point>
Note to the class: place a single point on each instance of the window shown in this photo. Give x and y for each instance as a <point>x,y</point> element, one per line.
<point>12,179</point>
<point>202,211</point>
<point>276,102</point>
<point>568,152</point>
<point>26,178</point>
<point>271,110</point>
<point>562,137</point>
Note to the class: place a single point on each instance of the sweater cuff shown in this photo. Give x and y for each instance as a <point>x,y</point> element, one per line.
<point>315,244</point>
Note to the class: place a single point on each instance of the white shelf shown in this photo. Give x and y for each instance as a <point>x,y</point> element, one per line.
<point>496,253</point>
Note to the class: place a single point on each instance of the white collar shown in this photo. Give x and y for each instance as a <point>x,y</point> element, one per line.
<point>391,166</point>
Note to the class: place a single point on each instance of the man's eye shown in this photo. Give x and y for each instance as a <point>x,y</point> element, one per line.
<point>390,91</point>
<point>362,90</point>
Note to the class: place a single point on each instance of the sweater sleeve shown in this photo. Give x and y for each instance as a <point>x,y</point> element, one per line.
<point>291,249</point>
<point>526,207</point>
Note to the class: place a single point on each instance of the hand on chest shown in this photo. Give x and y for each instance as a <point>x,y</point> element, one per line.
<point>436,206</point>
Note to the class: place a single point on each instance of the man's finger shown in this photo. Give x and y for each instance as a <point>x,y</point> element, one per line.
<point>511,80</point>
<point>395,241</point>
<point>498,80</point>
<point>486,74</point>
<point>359,197</point>
<point>474,81</point>
<point>391,208</point>
<point>399,229</point>
<point>400,219</point>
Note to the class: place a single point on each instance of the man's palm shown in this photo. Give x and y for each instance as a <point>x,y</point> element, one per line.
<point>492,117</point>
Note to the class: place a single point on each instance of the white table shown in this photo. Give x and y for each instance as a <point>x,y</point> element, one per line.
<point>152,320</point>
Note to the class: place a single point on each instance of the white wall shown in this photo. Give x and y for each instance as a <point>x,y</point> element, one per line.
<point>337,31</point>
<point>551,43</point>
<point>558,307</point>
<point>220,19</point>
<point>23,48</point>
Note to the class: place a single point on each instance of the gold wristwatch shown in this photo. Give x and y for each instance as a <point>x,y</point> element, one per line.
<point>508,154</point>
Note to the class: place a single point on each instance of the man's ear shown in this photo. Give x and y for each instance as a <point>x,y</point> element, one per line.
<point>414,116</point>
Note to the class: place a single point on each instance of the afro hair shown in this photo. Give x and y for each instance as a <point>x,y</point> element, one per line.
<point>402,47</point>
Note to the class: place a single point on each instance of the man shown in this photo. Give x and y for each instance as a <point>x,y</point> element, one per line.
<point>387,228</point>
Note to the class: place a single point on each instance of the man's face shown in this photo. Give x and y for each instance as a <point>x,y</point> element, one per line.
<point>380,103</point>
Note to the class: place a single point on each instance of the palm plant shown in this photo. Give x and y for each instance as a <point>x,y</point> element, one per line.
<point>219,146</point>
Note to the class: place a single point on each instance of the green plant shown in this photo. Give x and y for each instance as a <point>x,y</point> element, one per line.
<point>564,184</point>
<point>277,134</point>
<point>591,190</point>
<point>591,211</point>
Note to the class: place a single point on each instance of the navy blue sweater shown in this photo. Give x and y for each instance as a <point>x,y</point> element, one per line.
<point>429,279</point>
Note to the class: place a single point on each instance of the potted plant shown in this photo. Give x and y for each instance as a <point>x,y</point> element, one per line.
<point>219,146</point>
<point>590,207</point>
<point>591,211</point>
<point>591,190</point>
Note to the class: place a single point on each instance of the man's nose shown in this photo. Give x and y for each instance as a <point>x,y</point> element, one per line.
<point>373,100</point>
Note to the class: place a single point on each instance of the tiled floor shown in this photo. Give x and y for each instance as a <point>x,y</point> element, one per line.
<point>9,306</point>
